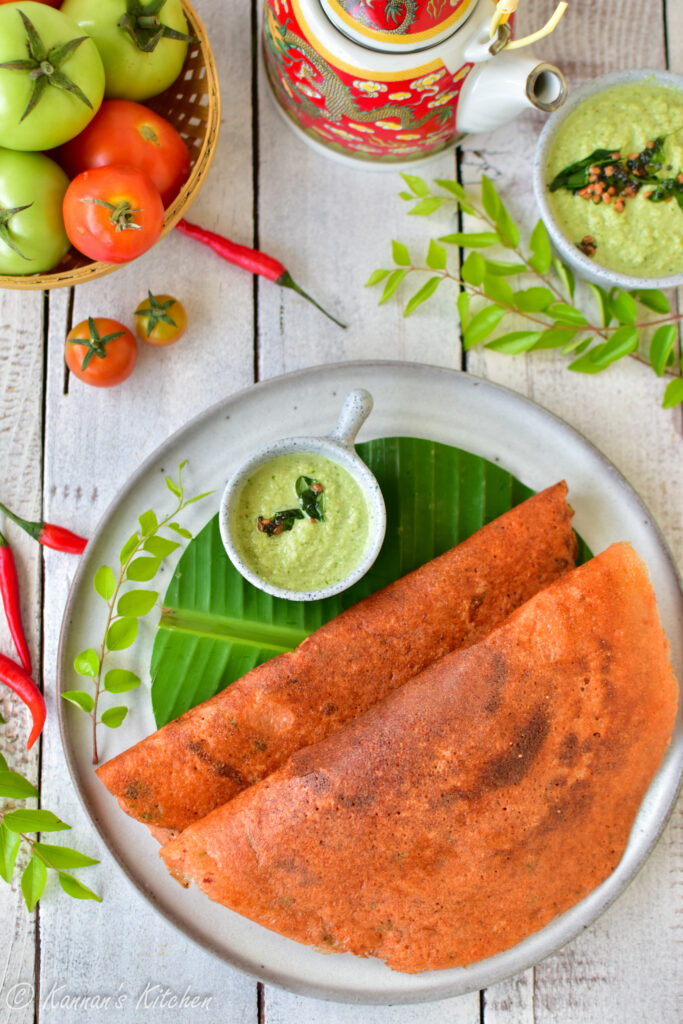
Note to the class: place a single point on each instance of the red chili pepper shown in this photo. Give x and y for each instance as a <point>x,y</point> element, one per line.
<point>21,683</point>
<point>60,539</point>
<point>250,259</point>
<point>9,590</point>
<point>49,535</point>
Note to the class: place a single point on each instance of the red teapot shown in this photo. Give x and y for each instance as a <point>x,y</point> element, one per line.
<point>394,81</point>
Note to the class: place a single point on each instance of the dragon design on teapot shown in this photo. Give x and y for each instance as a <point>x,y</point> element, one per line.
<point>340,113</point>
<point>382,80</point>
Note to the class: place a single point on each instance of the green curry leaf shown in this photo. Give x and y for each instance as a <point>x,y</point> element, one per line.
<point>674,393</point>
<point>662,347</point>
<point>422,294</point>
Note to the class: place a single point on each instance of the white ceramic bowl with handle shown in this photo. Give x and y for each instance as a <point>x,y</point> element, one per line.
<point>585,267</point>
<point>338,447</point>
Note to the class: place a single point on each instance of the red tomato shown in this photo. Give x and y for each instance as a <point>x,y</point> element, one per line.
<point>113,213</point>
<point>124,132</point>
<point>100,351</point>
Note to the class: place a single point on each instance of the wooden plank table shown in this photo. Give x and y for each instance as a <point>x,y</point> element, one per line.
<point>65,450</point>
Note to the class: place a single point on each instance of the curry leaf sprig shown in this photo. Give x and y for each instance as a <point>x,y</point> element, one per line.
<point>19,825</point>
<point>140,560</point>
<point>486,296</point>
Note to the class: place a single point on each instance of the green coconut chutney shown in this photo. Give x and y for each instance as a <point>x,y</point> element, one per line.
<point>646,238</point>
<point>311,554</point>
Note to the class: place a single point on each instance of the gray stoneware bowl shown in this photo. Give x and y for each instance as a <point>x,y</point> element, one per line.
<point>585,267</point>
<point>339,447</point>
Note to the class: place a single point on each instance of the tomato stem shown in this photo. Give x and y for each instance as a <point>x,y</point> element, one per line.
<point>122,215</point>
<point>44,66</point>
<point>155,312</point>
<point>96,345</point>
<point>144,26</point>
<point>5,234</point>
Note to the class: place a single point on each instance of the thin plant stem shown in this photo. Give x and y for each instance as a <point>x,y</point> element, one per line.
<point>111,616</point>
<point>600,331</point>
<point>589,328</point>
<point>518,252</point>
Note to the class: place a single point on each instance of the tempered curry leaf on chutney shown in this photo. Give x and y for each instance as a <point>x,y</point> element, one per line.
<point>312,497</point>
<point>576,175</point>
<point>609,172</point>
<point>280,522</point>
<point>667,189</point>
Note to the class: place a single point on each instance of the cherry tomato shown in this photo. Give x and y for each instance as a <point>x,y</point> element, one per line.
<point>160,320</point>
<point>100,351</point>
<point>123,132</point>
<point>113,213</point>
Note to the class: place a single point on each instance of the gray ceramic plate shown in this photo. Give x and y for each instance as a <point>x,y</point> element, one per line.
<point>410,399</point>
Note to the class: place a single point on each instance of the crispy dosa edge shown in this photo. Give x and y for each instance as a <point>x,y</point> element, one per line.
<point>472,805</point>
<point>208,755</point>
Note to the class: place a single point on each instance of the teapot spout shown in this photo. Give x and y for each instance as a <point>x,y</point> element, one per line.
<point>499,89</point>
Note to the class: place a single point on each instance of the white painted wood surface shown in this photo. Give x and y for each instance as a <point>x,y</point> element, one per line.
<point>21,371</point>
<point>66,454</point>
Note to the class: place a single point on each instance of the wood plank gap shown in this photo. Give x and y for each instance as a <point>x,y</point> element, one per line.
<point>665,27</point>
<point>41,602</point>
<point>677,303</point>
<point>36,969</point>
<point>482,1005</point>
<point>69,324</point>
<point>671,35</point>
<point>461,257</point>
<point>256,169</point>
<point>45,332</point>
<point>260,1003</point>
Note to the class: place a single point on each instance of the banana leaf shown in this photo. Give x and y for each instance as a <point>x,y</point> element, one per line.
<point>215,626</point>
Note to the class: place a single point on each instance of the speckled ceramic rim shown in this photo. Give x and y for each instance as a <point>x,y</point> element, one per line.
<point>339,448</point>
<point>584,266</point>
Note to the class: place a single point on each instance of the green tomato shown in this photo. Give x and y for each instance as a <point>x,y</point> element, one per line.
<point>133,73</point>
<point>56,89</point>
<point>32,240</point>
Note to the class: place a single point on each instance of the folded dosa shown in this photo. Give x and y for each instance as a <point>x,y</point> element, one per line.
<point>205,757</point>
<point>473,804</point>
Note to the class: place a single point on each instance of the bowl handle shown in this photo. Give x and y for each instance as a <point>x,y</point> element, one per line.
<point>354,412</point>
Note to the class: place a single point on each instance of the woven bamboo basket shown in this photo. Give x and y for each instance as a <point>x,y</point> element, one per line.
<point>193,106</point>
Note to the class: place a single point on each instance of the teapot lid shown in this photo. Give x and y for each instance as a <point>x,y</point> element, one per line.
<point>397,24</point>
